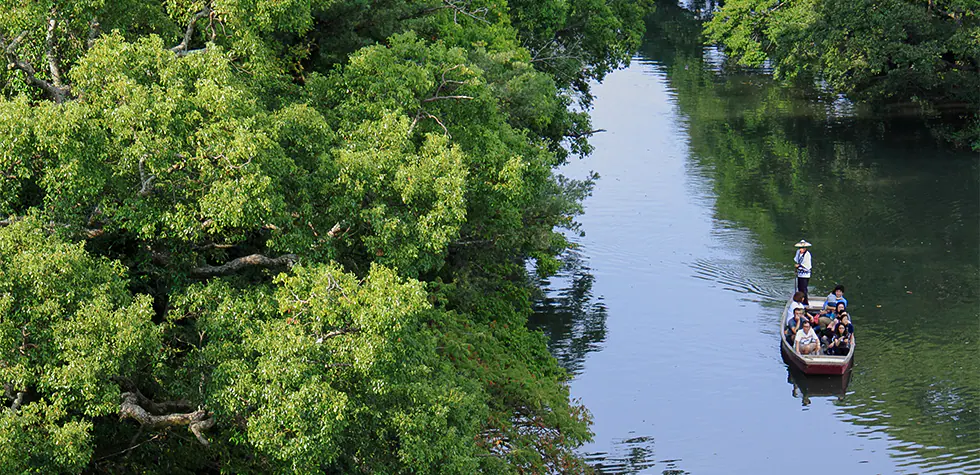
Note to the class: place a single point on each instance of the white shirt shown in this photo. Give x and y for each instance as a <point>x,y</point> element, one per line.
<point>789,311</point>
<point>804,262</point>
<point>806,338</point>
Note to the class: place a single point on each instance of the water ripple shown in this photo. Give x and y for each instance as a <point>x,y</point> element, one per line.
<point>629,455</point>
<point>732,277</point>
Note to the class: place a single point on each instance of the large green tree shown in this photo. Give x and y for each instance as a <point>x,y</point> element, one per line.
<point>288,235</point>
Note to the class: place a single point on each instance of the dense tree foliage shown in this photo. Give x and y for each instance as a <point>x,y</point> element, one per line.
<point>289,236</point>
<point>898,53</point>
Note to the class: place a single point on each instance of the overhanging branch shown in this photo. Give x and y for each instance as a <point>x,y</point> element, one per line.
<point>196,422</point>
<point>462,8</point>
<point>442,98</point>
<point>234,265</point>
<point>181,49</point>
<point>342,331</point>
<point>57,92</point>
<point>587,133</point>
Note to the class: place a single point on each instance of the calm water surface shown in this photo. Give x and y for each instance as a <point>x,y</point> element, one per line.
<point>666,313</point>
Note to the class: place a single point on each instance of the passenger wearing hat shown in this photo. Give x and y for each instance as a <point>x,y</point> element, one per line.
<point>804,264</point>
<point>836,296</point>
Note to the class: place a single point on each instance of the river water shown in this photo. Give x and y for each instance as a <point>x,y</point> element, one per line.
<point>666,313</point>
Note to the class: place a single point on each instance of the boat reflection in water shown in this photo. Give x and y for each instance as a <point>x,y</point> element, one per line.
<point>808,386</point>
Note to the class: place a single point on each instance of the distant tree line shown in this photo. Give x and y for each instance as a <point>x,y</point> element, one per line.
<point>902,56</point>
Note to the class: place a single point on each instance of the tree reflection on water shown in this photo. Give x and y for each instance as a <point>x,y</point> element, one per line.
<point>631,455</point>
<point>570,315</point>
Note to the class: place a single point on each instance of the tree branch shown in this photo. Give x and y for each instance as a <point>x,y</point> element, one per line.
<point>181,49</point>
<point>94,30</point>
<point>15,406</point>
<point>235,265</point>
<point>558,51</point>
<point>587,133</point>
<point>342,331</point>
<point>425,115</point>
<point>212,245</point>
<point>476,242</point>
<point>155,437</point>
<point>196,421</point>
<point>58,93</point>
<point>447,82</point>
<point>537,53</point>
<point>197,427</point>
<point>461,9</point>
<point>146,181</point>
<point>441,98</point>
<point>160,407</point>
<point>49,49</point>
<point>336,230</point>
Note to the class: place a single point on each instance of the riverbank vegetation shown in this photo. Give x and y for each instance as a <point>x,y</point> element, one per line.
<point>275,236</point>
<point>900,56</point>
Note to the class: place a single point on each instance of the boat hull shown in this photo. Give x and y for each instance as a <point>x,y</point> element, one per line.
<point>812,365</point>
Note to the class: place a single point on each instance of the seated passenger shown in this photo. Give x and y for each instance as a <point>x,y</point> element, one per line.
<point>807,342</point>
<point>836,296</point>
<point>831,318</point>
<point>841,343</point>
<point>845,320</point>
<point>832,310</point>
<point>797,302</point>
<point>794,324</point>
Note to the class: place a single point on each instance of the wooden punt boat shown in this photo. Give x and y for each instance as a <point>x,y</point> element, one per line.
<point>813,364</point>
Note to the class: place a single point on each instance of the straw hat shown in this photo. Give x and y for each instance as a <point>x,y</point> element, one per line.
<point>803,243</point>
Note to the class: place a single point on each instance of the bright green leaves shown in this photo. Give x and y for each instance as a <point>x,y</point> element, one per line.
<point>68,328</point>
<point>402,76</point>
<point>331,372</point>
<point>578,41</point>
<point>265,16</point>
<point>162,147</point>
<point>411,202</point>
<point>69,320</point>
<point>18,164</point>
<point>379,142</point>
<point>187,140</point>
<point>738,23</point>
<point>325,300</point>
<point>40,438</point>
<point>431,88</point>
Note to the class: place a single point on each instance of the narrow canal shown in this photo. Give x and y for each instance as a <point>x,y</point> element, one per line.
<point>666,314</point>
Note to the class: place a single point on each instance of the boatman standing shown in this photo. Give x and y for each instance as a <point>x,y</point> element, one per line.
<point>804,264</point>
